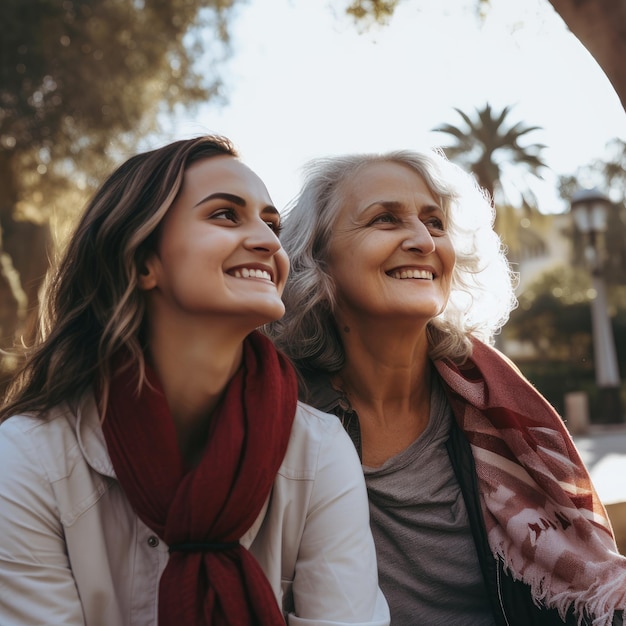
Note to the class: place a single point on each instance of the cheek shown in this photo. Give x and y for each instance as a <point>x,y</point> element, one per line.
<point>175,243</point>
<point>448,256</point>
<point>282,268</point>
<point>176,258</point>
<point>450,271</point>
<point>452,263</point>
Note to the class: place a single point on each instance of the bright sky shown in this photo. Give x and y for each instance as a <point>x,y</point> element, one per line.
<point>302,82</point>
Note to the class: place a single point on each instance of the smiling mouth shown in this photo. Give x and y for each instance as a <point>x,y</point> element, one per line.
<point>252,273</point>
<point>420,274</point>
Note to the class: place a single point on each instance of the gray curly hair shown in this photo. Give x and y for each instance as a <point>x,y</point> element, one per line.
<point>482,286</point>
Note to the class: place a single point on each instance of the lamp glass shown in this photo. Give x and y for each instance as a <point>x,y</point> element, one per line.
<point>582,216</point>
<point>599,217</point>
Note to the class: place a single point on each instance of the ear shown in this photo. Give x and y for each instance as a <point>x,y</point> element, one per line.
<point>147,275</point>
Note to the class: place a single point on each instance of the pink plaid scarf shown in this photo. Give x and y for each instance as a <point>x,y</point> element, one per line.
<point>542,514</point>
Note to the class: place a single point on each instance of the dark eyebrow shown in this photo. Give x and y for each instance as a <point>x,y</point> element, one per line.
<point>223,196</point>
<point>238,200</point>
<point>270,209</point>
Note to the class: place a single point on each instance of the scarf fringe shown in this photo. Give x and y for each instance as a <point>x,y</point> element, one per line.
<point>595,605</point>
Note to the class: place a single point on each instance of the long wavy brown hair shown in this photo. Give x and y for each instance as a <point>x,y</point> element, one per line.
<point>92,306</point>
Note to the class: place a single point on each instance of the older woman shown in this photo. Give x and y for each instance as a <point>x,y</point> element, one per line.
<point>481,509</point>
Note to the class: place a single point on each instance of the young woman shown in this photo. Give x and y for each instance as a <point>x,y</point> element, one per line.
<point>155,466</point>
<point>481,508</point>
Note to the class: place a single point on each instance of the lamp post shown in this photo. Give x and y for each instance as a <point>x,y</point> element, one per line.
<point>590,210</point>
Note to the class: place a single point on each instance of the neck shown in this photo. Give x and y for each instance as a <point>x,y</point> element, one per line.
<point>387,379</point>
<point>194,369</point>
<point>384,365</point>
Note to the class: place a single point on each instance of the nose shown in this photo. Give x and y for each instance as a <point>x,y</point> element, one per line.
<point>418,238</point>
<point>262,238</point>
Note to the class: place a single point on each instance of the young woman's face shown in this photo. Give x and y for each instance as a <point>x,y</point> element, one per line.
<point>218,253</point>
<point>390,254</point>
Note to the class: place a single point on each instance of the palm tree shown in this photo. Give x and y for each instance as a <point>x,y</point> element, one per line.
<point>487,143</point>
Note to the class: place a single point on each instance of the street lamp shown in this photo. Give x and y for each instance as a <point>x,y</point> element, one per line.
<point>590,210</point>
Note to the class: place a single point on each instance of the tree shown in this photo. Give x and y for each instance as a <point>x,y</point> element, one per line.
<point>80,82</point>
<point>488,146</point>
<point>600,25</point>
<point>485,143</point>
<point>554,317</point>
<point>554,320</point>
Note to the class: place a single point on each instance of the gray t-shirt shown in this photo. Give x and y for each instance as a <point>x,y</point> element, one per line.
<point>427,561</point>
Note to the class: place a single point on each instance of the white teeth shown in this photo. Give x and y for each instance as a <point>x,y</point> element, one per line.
<point>252,273</point>
<point>424,274</point>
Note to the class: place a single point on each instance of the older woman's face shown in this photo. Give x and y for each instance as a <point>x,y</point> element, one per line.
<point>390,253</point>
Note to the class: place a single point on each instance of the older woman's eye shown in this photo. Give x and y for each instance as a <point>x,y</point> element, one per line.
<point>384,218</point>
<point>435,223</point>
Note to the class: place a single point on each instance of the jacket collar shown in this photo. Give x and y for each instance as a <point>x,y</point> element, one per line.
<point>90,436</point>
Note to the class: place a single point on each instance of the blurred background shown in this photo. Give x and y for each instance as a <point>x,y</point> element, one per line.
<point>527,94</point>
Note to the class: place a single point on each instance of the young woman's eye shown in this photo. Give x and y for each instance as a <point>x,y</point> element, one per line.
<point>275,227</point>
<point>225,214</point>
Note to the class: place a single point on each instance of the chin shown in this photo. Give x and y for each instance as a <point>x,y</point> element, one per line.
<point>280,311</point>
<point>270,313</point>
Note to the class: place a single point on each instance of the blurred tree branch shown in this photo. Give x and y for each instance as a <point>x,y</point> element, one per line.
<point>600,25</point>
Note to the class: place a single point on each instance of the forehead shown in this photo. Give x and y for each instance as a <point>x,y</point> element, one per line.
<point>384,181</point>
<point>384,177</point>
<point>223,173</point>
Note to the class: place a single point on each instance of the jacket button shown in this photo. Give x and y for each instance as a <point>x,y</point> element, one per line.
<point>153,541</point>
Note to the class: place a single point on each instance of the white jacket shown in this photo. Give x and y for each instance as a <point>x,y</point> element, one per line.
<point>73,552</point>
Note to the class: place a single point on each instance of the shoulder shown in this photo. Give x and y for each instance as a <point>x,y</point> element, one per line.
<point>37,453</point>
<point>315,421</point>
<point>53,446</point>
<point>315,438</point>
<point>60,454</point>
<point>42,441</point>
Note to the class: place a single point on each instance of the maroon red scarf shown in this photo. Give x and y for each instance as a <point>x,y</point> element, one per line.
<point>543,516</point>
<point>202,513</point>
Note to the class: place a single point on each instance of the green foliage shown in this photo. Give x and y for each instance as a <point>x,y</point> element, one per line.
<point>554,315</point>
<point>381,11</point>
<point>82,80</point>
<point>377,10</point>
<point>608,173</point>
<point>554,320</point>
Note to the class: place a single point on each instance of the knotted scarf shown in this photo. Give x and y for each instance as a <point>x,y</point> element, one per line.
<point>543,516</point>
<point>202,512</point>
